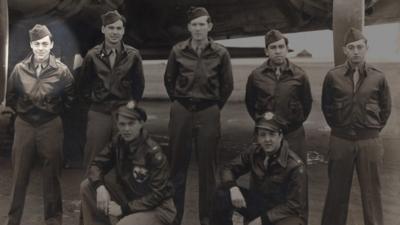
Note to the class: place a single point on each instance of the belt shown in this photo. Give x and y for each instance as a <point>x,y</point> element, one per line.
<point>195,104</point>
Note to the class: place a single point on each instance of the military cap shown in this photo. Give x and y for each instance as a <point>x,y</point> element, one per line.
<point>132,111</point>
<point>353,35</point>
<point>38,32</point>
<point>195,12</point>
<point>112,17</point>
<point>274,36</point>
<point>271,122</point>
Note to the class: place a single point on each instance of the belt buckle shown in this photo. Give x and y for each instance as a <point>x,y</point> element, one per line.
<point>191,100</point>
<point>192,104</point>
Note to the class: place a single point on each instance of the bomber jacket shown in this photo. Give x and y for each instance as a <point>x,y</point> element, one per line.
<point>358,114</point>
<point>141,168</point>
<point>290,96</point>
<point>105,87</point>
<point>40,99</point>
<point>283,184</point>
<point>206,77</point>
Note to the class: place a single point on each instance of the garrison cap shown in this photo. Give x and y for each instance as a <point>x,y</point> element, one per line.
<point>112,17</point>
<point>274,36</point>
<point>353,35</point>
<point>132,111</point>
<point>271,122</point>
<point>195,12</point>
<point>38,32</point>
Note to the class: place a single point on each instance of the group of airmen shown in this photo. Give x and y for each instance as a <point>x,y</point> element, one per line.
<point>130,180</point>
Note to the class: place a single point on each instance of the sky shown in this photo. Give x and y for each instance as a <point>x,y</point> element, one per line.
<point>383,40</point>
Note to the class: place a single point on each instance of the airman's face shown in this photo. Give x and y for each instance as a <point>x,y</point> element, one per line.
<point>129,128</point>
<point>199,28</point>
<point>269,140</point>
<point>277,51</point>
<point>356,51</point>
<point>114,32</point>
<point>41,49</point>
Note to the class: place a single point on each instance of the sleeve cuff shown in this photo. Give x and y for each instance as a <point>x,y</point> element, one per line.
<point>265,220</point>
<point>229,184</point>
<point>125,209</point>
<point>97,183</point>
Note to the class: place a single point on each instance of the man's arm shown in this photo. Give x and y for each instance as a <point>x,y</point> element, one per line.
<point>84,78</point>
<point>296,199</point>
<point>101,164</point>
<point>12,95</point>
<point>138,82</point>
<point>251,96</point>
<point>226,79</point>
<point>69,90</point>
<point>385,101</point>
<point>171,72</point>
<point>231,171</point>
<point>327,100</point>
<point>306,97</point>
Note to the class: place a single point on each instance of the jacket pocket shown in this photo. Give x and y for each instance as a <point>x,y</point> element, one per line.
<point>338,112</point>
<point>126,82</point>
<point>372,114</point>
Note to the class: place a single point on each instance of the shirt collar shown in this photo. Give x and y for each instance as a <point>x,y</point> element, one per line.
<point>43,65</point>
<point>287,67</point>
<point>105,51</point>
<point>350,70</point>
<point>134,144</point>
<point>281,156</point>
<point>202,45</point>
<point>52,62</point>
<point>187,44</point>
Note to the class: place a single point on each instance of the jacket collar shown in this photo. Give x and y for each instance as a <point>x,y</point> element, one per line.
<point>350,70</point>
<point>288,67</point>
<point>28,61</point>
<point>281,156</point>
<point>102,52</point>
<point>187,44</point>
<point>134,144</point>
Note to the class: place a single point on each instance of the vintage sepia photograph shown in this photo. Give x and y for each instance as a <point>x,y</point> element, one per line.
<point>199,112</point>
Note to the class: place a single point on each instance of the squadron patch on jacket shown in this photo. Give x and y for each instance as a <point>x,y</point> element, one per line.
<point>140,173</point>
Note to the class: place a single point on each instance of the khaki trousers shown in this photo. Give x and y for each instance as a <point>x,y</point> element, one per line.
<point>297,141</point>
<point>164,214</point>
<point>44,141</point>
<point>198,131</point>
<point>99,131</point>
<point>366,156</point>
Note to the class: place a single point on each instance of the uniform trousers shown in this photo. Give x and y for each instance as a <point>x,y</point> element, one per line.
<point>198,131</point>
<point>46,142</point>
<point>366,156</point>
<point>255,207</point>
<point>163,214</point>
<point>100,129</point>
<point>296,141</point>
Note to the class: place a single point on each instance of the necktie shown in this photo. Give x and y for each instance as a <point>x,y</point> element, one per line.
<point>112,57</point>
<point>38,70</point>
<point>278,73</point>
<point>266,161</point>
<point>198,50</point>
<point>356,78</point>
